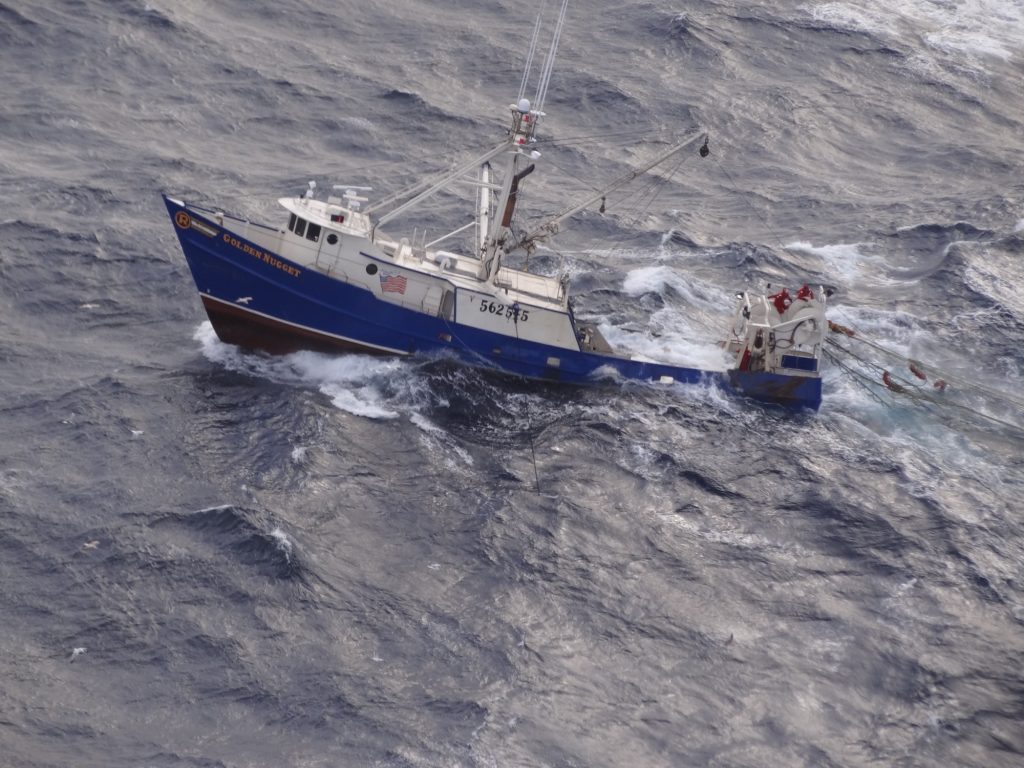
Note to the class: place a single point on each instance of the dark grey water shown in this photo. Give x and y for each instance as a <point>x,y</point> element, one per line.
<point>318,561</point>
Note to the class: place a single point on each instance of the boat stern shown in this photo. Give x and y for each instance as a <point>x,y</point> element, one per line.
<point>777,341</point>
<point>778,388</point>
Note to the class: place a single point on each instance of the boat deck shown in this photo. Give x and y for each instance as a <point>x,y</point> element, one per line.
<point>591,340</point>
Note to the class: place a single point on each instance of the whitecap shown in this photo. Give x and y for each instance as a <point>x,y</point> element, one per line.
<point>283,543</point>
<point>850,18</point>
<point>695,292</point>
<point>997,276</point>
<point>442,441</point>
<point>841,259</point>
<point>365,401</point>
<point>967,34</point>
<point>969,30</point>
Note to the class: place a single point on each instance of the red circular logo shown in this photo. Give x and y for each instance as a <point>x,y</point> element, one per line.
<point>182,219</point>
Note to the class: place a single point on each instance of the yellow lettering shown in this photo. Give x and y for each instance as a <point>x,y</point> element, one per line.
<point>262,255</point>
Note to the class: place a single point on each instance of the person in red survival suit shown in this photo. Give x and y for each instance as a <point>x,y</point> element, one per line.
<point>781,300</point>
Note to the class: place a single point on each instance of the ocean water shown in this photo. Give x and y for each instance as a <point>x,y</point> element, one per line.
<point>212,558</point>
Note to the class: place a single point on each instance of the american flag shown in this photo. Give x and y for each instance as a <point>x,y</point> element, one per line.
<point>392,283</point>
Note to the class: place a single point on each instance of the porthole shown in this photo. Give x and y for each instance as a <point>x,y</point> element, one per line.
<point>332,239</point>
<point>371,269</point>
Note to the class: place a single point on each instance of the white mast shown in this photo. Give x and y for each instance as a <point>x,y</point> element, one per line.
<point>483,211</point>
<point>524,124</point>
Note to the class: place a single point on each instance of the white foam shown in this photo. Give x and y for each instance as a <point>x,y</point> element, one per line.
<point>985,28</point>
<point>896,330</point>
<point>848,17</point>
<point>364,401</point>
<point>283,543</point>
<point>346,379</point>
<point>999,278</point>
<point>1019,227</point>
<point>353,383</point>
<point>841,259</point>
<point>442,441</point>
<point>837,253</point>
<point>693,291</point>
<point>677,347</point>
<point>967,31</point>
<point>216,508</point>
<point>681,335</point>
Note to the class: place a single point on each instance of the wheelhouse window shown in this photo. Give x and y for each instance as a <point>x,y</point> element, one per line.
<point>300,227</point>
<point>291,222</point>
<point>313,232</point>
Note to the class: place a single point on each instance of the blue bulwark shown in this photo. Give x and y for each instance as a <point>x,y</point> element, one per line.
<point>799,363</point>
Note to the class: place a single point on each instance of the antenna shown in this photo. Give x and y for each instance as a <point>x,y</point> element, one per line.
<point>309,192</point>
<point>351,195</point>
<point>533,50</point>
<point>549,62</point>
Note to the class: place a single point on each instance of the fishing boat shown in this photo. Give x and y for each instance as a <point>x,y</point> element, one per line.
<point>331,278</point>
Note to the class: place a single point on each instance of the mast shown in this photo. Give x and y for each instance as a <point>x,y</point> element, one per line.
<point>524,125</point>
<point>524,121</point>
<point>483,210</point>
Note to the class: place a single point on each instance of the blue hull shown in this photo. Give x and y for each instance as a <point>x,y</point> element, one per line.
<point>259,300</point>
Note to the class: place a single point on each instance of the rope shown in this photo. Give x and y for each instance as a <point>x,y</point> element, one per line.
<point>899,385</point>
<point>519,350</point>
<point>929,370</point>
<point>493,366</point>
<point>856,376</point>
<point>757,213</point>
<point>611,135</point>
<point>644,198</point>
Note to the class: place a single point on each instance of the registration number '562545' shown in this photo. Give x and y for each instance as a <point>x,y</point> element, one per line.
<point>507,310</point>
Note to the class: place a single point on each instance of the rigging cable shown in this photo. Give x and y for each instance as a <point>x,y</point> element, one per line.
<point>900,385</point>
<point>519,349</point>
<point>745,198</point>
<point>611,135</point>
<point>549,63</point>
<point>935,373</point>
<point>533,50</point>
<point>488,364</point>
<point>649,193</point>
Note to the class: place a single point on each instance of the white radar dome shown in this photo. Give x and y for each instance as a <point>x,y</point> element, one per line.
<point>523,105</point>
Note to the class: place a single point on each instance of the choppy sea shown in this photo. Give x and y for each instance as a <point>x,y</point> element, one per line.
<point>211,558</point>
